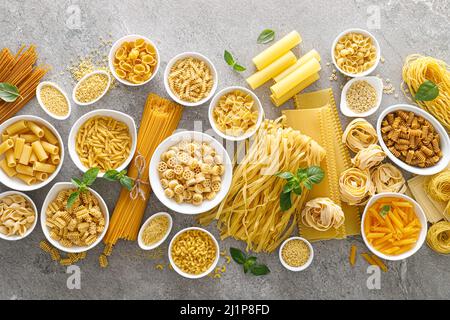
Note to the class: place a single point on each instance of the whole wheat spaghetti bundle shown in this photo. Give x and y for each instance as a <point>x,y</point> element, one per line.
<point>20,71</point>
<point>251,210</point>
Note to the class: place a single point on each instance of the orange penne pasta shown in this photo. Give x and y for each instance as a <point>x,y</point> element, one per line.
<point>396,221</point>
<point>383,240</point>
<point>379,263</point>
<point>391,250</point>
<point>381,229</point>
<point>373,235</point>
<point>402,204</point>
<point>352,255</point>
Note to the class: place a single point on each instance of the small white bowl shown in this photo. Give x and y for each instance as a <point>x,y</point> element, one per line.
<point>33,205</point>
<point>38,96</point>
<point>445,141</point>
<point>156,244</point>
<point>50,197</point>
<point>84,78</point>
<point>367,34</point>
<point>188,275</point>
<point>419,213</point>
<point>112,52</point>
<point>376,83</point>
<point>120,116</point>
<point>182,56</point>
<point>214,102</point>
<point>188,208</point>
<point>16,183</point>
<point>303,267</point>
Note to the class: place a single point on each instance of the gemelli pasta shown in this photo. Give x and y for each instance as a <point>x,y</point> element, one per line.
<point>355,53</point>
<point>17,215</point>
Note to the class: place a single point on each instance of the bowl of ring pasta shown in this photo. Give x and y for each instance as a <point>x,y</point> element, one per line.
<point>190,172</point>
<point>31,153</point>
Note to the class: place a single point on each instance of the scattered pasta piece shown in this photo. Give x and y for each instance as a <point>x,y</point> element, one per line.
<point>103,261</point>
<point>352,257</point>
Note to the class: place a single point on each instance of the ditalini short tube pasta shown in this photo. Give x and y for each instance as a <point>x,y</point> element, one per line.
<point>302,85</point>
<point>276,50</point>
<point>306,57</point>
<point>264,75</point>
<point>285,85</point>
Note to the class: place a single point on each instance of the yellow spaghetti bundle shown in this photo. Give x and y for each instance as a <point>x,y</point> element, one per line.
<point>251,210</point>
<point>20,71</point>
<point>416,70</point>
<point>438,237</point>
<point>438,187</point>
<point>159,120</point>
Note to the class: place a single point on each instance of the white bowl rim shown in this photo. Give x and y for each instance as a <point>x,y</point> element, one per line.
<point>194,276</point>
<point>303,267</point>
<point>41,104</point>
<point>344,105</point>
<point>114,48</point>
<point>33,205</point>
<point>84,78</point>
<point>69,185</point>
<point>445,140</point>
<point>201,57</point>
<point>377,45</point>
<point>141,243</point>
<point>213,103</point>
<point>20,185</point>
<point>420,215</point>
<point>106,112</point>
<point>186,208</point>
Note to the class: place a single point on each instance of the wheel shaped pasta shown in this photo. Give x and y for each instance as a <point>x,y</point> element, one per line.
<point>322,214</point>
<point>359,134</point>
<point>388,178</point>
<point>369,157</point>
<point>356,186</point>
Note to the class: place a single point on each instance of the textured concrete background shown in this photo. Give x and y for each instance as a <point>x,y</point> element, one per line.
<point>210,27</point>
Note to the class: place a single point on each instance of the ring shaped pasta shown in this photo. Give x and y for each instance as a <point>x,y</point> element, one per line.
<point>369,157</point>
<point>438,237</point>
<point>355,53</point>
<point>388,178</point>
<point>17,215</point>
<point>356,186</point>
<point>322,214</point>
<point>359,134</point>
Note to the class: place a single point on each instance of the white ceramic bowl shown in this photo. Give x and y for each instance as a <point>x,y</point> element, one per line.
<point>16,183</point>
<point>214,103</point>
<point>187,208</point>
<point>120,116</point>
<point>419,213</point>
<point>375,42</point>
<point>33,205</point>
<point>376,83</point>
<point>182,56</point>
<point>188,275</point>
<point>50,197</point>
<point>141,243</point>
<point>84,78</point>
<point>445,141</point>
<point>112,52</point>
<point>303,267</point>
<point>38,96</point>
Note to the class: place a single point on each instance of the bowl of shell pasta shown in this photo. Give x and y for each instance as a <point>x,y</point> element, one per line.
<point>18,215</point>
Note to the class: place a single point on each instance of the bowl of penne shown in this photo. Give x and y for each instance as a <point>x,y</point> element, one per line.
<point>31,153</point>
<point>393,226</point>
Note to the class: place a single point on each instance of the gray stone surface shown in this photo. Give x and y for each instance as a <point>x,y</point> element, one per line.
<point>210,27</point>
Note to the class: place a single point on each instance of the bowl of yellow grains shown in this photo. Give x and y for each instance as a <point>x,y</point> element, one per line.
<point>155,231</point>
<point>53,100</point>
<point>91,88</point>
<point>296,254</point>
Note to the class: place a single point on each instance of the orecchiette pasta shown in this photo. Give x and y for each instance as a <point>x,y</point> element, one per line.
<point>388,178</point>
<point>322,214</point>
<point>356,186</point>
<point>355,53</point>
<point>359,134</point>
<point>369,157</point>
<point>17,215</point>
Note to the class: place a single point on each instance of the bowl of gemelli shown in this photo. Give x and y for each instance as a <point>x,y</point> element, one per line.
<point>361,97</point>
<point>296,254</point>
<point>91,88</point>
<point>155,231</point>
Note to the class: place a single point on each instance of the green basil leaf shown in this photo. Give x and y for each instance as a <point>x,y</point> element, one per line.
<point>249,264</point>
<point>228,58</point>
<point>298,190</point>
<point>111,175</point>
<point>427,91</point>
<point>315,174</point>
<point>301,174</point>
<point>90,176</point>
<point>8,92</point>
<point>239,68</point>
<point>288,187</point>
<point>266,36</point>
<point>259,270</point>
<point>385,210</point>
<point>127,182</point>
<point>72,198</point>
<point>76,182</point>
<point>285,201</point>
<point>238,256</point>
<point>284,175</point>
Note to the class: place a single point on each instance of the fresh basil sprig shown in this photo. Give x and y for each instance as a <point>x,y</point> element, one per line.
<point>266,36</point>
<point>8,92</point>
<point>82,185</point>
<point>114,175</point>
<point>248,263</point>
<point>305,177</point>
<point>229,59</point>
<point>427,91</point>
<point>385,210</point>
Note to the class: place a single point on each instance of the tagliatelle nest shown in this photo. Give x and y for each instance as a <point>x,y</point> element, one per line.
<point>356,186</point>
<point>388,178</point>
<point>369,157</point>
<point>322,214</point>
<point>359,134</point>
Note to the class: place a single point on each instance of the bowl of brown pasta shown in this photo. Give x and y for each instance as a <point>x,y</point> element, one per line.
<point>190,79</point>
<point>103,138</point>
<point>134,60</point>
<point>78,228</point>
<point>18,215</point>
<point>355,52</point>
<point>31,153</point>
<point>413,139</point>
